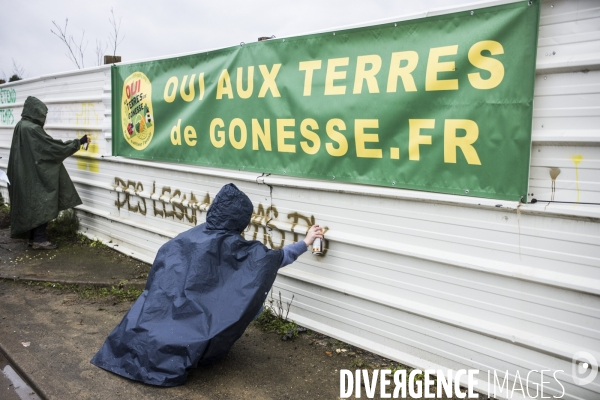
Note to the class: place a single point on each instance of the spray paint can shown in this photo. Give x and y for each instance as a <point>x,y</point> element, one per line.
<point>317,247</point>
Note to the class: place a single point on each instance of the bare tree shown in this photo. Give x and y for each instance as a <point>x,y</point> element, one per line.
<point>114,35</point>
<point>18,71</point>
<point>76,50</point>
<point>100,50</point>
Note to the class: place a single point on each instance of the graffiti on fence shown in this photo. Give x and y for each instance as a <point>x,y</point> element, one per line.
<point>168,202</point>
<point>88,116</point>
<point>6,117</point>
<point>8,96</point>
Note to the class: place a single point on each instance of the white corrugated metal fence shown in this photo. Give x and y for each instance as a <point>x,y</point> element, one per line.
<point>429,280</point>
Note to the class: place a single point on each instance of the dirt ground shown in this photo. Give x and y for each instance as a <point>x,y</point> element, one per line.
<point>76,261</point>
<point>64,329</point>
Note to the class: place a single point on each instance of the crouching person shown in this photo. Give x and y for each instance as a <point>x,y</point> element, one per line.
<point>205,287</point>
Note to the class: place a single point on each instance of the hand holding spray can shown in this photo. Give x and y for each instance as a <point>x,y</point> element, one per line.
<point>317,247</point>
<point>314,238</point>
<point>84,141</point>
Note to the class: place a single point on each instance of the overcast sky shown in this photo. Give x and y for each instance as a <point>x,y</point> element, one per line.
<point>155,28</point>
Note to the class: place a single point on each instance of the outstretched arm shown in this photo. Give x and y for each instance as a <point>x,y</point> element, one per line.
<point>54,150</point>
<point>292,251</point>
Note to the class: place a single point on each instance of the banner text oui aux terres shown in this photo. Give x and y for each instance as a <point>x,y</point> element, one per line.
<point>440,104</point>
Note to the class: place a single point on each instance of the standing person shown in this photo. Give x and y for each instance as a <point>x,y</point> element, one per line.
<point>205,287</point>
<point>40,185</point>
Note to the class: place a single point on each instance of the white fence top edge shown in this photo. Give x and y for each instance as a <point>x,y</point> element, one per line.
<point>101,68</point>
<point>436,11</point>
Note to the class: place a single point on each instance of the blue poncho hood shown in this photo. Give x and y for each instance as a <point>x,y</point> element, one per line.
<point>231,210</point>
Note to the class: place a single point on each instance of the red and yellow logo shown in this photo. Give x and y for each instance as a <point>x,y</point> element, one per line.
<point>137,116</point>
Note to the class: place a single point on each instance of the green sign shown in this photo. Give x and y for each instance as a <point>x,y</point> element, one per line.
<point>441,104</point>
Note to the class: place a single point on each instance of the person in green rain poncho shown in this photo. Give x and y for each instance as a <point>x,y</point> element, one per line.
<point>40,186</point>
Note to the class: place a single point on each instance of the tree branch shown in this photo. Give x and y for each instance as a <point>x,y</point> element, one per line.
<point>76,51</point>
<point>114,35</point>
<point>18,70</point>
<point>100,52</point>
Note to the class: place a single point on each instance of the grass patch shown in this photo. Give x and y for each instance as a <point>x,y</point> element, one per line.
<point>274,318</point>
<point>359,363</point>
<point>4,214</point>
<point>64,227</point>
<point>90,292</point>
<point>83,240</point>
<point>121,294</point>
<point>269,322</point>
<point>398,367</point>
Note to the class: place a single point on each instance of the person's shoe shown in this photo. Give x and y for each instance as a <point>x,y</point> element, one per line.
<point>44,246</point>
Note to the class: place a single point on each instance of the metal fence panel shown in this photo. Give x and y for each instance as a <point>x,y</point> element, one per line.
<point>429,280</point>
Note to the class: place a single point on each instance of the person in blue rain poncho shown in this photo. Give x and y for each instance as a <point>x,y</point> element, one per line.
<point>205,287</point>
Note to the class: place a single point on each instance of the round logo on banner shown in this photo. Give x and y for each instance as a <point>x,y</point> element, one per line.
<point>137,116</point>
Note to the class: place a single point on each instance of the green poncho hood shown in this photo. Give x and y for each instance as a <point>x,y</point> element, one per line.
<point>39,184</point>
<point>35,111</point>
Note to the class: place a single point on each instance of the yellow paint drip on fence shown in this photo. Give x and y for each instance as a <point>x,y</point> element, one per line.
<point>84,162</point>
<point>577,159</point>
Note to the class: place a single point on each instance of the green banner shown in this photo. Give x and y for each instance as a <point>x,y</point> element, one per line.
<point>441,104</point>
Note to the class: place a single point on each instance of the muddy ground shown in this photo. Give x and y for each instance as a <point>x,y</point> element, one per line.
<point>77,260</point>
<point>64,327</point>
<point>65,331</point>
